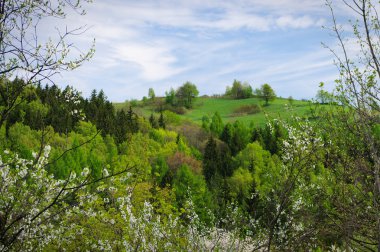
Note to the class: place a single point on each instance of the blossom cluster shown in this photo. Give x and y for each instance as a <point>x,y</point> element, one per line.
<point>42,212</point>
<point>32,202</point>
<point>302,140</point>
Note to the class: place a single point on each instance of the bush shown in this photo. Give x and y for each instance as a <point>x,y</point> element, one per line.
<point>177,110</point>
<point>247,110</point>
<point>171,118</point>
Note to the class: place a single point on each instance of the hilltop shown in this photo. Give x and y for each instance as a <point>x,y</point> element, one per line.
<point>245,110</point>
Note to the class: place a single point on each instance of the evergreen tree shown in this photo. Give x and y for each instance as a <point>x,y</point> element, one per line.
<point>216,125</point>
<point>227,134</point>
<point>226,166</point>
<point>161,121</point>
<point>132,122</point>
<point>211,160</point>
<point>121,130</point>
<point>153,122</point>
<point>272,138</point>
<point>257,136</point>
<point>100,112</point>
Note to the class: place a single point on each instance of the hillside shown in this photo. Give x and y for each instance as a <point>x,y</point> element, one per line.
<point>228,109</point>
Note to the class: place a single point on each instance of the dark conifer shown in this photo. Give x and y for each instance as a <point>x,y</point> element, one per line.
<point>161,121</point>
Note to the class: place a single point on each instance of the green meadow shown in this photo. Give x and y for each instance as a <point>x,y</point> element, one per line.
<point>226,107</point>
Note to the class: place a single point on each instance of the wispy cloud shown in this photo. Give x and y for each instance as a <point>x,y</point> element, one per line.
<point>155,61</point>
<point>161,44</point>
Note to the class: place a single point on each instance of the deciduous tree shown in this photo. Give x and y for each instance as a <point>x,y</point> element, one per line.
<point>267,93</point>
<point>186,94</point>
<point>151,94</point>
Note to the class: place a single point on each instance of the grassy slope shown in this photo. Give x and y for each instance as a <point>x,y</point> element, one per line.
<point>225,107</point>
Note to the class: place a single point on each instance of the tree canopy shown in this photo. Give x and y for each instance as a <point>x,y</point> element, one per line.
<point>186,94</point>
<point>239,90</point>
<point>267,93</point>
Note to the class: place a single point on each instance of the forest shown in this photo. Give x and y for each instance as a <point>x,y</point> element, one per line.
<point>165,174</point>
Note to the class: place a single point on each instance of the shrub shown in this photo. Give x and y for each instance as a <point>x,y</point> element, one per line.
<point>247,110</point>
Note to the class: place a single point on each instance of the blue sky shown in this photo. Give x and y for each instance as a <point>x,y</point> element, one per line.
<point>162,44</point>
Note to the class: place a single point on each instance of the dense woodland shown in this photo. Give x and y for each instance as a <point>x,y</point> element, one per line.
<point>77,174</point>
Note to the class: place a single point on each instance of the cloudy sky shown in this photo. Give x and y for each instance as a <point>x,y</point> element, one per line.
<point>164,43</point>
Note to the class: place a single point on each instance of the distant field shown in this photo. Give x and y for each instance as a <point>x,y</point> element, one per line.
<point>278,108</point>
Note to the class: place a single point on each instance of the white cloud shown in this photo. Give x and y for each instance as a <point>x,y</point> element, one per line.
<point>289,21</point>
<point>155,61</point>
<point>213,14</point>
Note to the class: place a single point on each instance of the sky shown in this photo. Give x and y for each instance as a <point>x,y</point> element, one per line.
<point>161,44</point>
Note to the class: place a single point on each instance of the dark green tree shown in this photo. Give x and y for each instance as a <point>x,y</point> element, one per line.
<point>227,134</point>
<point>211,160</point>
<point>132,121</point>
<point>100,112</point>
<point>257,136</point>
<point>161,121</point>
<point>153,122</point>
<point>121,130</point>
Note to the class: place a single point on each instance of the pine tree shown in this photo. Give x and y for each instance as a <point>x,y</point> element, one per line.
<point>211,160</point>
<point>161,121</point>
<point>227,134</point>
<point>153,122</point>
<point>132,122</point>
<point>216,125</point>
<point>120,131</point>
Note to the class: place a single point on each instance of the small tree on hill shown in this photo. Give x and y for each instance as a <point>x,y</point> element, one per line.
<point>267,93</point>
<point>239,90</point>
<point>151,94</point>
<point>323,97</point>
<point>186,94</point>
<point>170,97</point>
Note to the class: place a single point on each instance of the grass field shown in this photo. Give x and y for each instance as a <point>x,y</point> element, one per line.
<point>278,108</point>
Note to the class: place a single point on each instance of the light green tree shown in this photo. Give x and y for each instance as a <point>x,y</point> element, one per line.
<point>216,125</point>
<point>323,97</point>
<point>151,94</point>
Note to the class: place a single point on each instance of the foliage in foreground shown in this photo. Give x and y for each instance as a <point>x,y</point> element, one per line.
<point>40,212</point>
